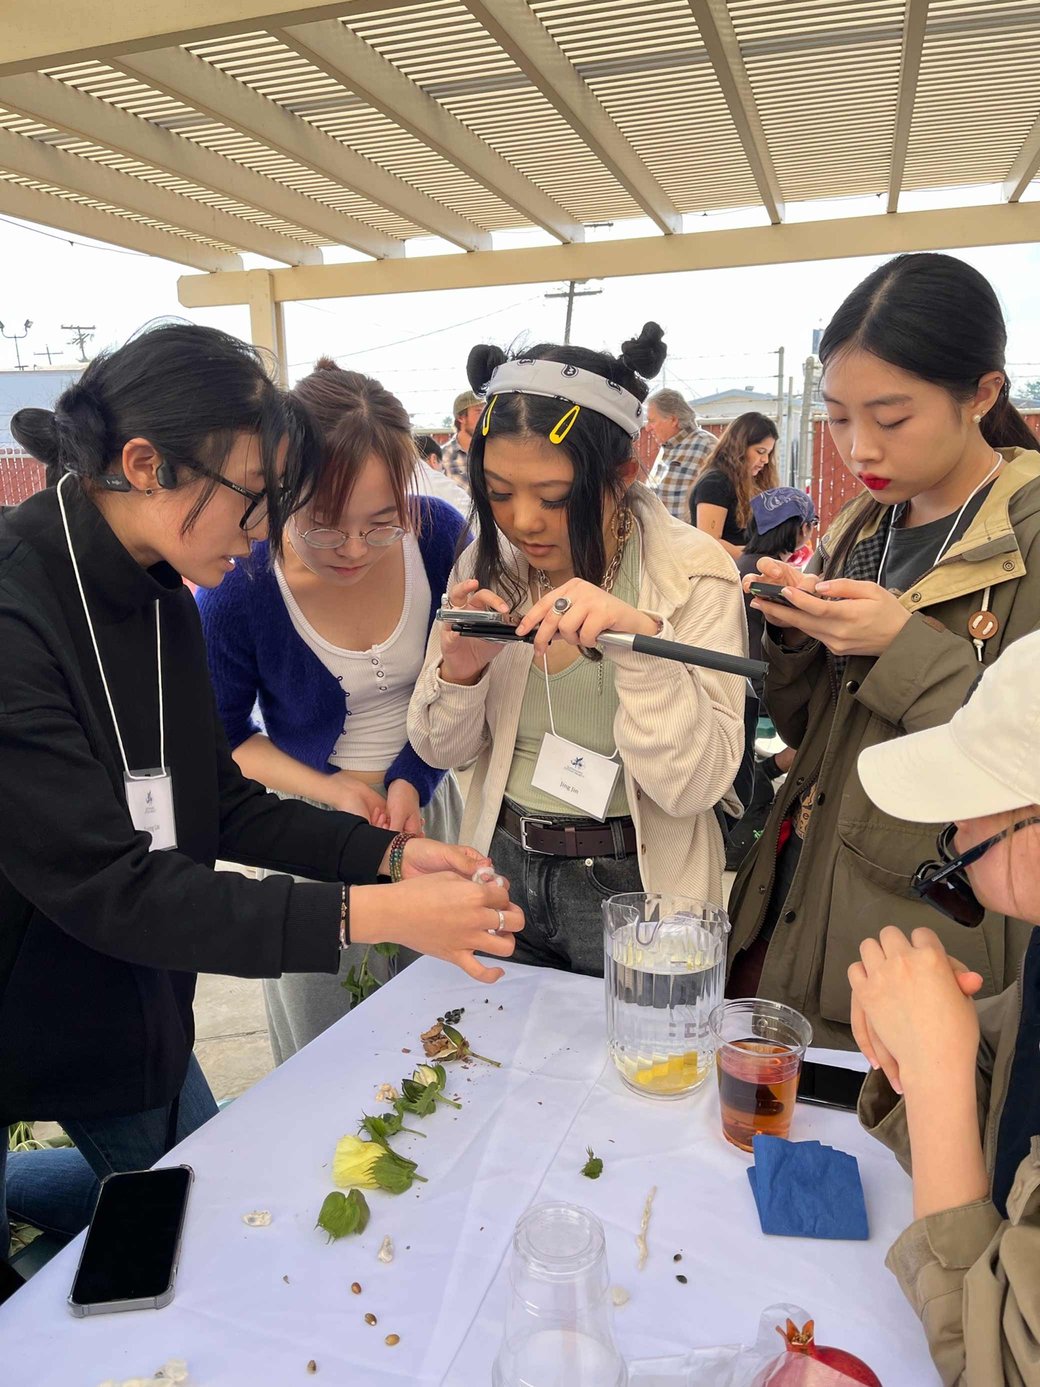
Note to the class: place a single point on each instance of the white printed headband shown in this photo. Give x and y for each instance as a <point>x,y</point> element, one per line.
<point>582,389</point>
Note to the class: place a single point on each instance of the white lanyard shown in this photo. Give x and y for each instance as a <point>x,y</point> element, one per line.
<point>548,700</point>
<point>953,528</point>
<point>130,775</point>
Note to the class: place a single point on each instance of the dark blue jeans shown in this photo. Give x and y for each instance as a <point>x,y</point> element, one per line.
<point>56,1190</point>
<point>562,899</point>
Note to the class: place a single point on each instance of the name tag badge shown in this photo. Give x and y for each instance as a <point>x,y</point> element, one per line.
<point>150,801</point>
<point>581,778</point>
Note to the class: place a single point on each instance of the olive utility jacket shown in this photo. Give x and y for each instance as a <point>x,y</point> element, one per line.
<point>856,863</point>
<point>972,1277</point>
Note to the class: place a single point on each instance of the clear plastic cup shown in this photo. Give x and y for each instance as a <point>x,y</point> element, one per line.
<point>759,1052</point>
<point>558,1330</point>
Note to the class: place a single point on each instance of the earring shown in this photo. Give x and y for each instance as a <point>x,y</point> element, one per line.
<point>148,491</point>
<point>976,418</point>
<point>623,522</point>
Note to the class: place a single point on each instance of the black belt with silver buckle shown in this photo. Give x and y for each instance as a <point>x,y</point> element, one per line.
<point>569,837</point>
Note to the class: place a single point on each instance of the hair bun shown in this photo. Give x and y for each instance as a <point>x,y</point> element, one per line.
<point>326,363</point>
<point>646,353</point>
<point>37,431</point>
<point>481,365</point>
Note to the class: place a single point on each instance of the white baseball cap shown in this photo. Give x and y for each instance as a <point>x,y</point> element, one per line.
<point>985,760</point>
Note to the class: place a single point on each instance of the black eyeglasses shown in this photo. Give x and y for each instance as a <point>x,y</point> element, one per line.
<point>945,885</point>
<point>255,513</point>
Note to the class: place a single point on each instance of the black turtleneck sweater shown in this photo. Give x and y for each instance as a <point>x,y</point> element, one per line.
<point>100,939</point>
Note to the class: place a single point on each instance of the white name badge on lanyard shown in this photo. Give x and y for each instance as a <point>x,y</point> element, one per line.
<point>149,797</point>
<point>581,778</point>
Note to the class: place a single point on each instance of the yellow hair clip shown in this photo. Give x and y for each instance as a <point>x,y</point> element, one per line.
<point>485,427</point>
<point>563,426</point>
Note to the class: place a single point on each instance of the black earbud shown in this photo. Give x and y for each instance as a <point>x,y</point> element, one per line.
<point>166,476</point>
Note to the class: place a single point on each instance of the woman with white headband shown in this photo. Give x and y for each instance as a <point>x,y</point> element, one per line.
<point>956,1087</point>
<point>595,775</point>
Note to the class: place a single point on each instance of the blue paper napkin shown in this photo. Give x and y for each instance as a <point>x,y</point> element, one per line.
<point>806,1190</point>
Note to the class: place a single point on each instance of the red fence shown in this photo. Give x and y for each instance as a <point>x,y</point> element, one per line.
<point>832,484</point>
<point>20,475</point>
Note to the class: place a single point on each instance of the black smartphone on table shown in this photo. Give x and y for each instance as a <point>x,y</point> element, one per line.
<point>829,1086</point>
<point>129,1260</point>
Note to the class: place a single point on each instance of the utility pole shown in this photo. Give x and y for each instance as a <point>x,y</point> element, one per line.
<point>17,337</point>
<point>779,403</point>
<point>48,354</point>
<point>572,293</point>
<point>789,419</point>
<point>805,430</point>
<point>81,335</point>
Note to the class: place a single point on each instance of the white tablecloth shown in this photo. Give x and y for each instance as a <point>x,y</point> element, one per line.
<point>253,1305</point>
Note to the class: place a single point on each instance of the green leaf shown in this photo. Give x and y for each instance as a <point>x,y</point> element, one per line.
<point>387,950</point>
<point>343,1214</point>
<point>456,1037</point>
<point>593,1167</point>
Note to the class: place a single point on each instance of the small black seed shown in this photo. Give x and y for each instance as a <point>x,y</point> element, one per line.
<point>677,1257</point>
<point>681,1279</point>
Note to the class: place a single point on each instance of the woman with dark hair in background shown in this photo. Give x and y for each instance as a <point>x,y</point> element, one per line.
<point>921,580</point>
<point>117,789</point>
<point>325,641</point>
<point>568,541</point>
<point>741,465</point>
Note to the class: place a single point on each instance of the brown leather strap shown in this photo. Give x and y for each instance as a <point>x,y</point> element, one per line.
<point>566,838</point>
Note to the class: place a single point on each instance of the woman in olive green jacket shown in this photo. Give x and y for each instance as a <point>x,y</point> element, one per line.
<point>956,1088</point>
<point>937,569</point>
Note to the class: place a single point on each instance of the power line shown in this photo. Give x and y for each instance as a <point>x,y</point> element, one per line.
<point>66,240</point>
<point>419,336</point>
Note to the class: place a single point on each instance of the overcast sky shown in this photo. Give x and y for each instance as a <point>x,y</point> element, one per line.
<point>723,327</point>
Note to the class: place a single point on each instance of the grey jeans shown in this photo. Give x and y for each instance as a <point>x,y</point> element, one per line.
<point>562,899</point>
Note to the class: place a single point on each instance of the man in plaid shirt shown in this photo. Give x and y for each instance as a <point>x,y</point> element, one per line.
<point>455,453</point>
<point>685,447</point>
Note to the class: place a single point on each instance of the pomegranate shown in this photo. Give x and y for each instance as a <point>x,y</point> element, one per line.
<point>790,1371</point>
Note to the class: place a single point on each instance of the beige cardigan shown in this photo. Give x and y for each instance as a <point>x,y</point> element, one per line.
<point>679,730</point>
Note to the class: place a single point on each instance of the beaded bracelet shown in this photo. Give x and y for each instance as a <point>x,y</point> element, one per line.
<point>397,848</point>
<point>344,917</point>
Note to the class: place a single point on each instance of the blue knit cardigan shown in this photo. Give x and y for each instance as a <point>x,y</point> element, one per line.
<point>257,659</point>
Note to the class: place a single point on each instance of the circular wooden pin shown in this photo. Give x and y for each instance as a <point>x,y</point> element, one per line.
<point>983,626</point>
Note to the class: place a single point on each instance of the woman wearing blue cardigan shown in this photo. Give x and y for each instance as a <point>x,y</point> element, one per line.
<point>314,657</point>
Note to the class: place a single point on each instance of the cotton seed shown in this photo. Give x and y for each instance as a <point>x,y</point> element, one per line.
<point>392,1339</point>
<point>312,1367</point>
<point>370,1318</point>
<point>356,1287</point>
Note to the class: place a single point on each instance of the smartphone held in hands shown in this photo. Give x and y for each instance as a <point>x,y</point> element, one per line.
<point>485,626</point>
<point>129,1260</point>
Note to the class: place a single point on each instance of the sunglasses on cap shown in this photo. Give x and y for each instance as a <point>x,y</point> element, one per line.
<point>945,885</point>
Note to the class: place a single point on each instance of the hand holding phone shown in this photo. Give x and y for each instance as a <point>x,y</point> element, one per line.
<point>465,656</point>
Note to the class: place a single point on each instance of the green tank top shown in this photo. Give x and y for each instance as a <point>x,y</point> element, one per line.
<point>584,704</point>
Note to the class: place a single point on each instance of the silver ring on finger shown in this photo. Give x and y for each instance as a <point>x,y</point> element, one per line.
<point>562,604</point>
<point>501,922</point>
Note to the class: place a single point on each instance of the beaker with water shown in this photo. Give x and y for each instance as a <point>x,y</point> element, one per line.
<point>664,966</point>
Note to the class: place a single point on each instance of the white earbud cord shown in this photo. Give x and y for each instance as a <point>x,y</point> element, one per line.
<point>97,653</point>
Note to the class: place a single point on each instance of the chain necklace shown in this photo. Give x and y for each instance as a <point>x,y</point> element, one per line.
<point>623,527</point>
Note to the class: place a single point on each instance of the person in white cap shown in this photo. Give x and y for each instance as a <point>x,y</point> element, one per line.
<point>956,1087</point>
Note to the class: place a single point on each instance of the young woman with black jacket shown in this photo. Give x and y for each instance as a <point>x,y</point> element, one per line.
<point>117,789</point>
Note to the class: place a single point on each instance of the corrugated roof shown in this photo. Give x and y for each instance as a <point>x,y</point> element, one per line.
<point>513,114</point>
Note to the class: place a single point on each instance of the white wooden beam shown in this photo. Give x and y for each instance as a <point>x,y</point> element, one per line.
<point>56,104</point>
<point>915,21</point>
<point>355,65</point>
<point>720,39</point>
<point>43,163</point>
<point>205,88</point>
<point>949,229</point>
<point>519,31</point>
<point>68,31</point>
<point>1025,167</point>
<point>267,324</point>
<point>47,209</point>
